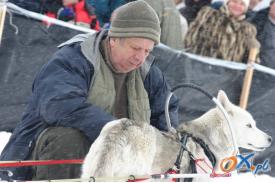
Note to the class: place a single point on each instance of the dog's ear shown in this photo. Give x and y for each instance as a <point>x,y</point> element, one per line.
<point>222,97</point>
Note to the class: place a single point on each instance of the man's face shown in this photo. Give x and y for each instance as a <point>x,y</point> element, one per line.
<point>272,11</point>
<point>236,7</point>
<point>128,54</point>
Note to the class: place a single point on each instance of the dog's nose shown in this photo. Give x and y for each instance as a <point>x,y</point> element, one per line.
<point>269,139</point>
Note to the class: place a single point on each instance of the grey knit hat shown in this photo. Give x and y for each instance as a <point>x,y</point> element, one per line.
<point>135,19</point>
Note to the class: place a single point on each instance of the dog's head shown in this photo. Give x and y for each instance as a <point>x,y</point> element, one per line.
<point>248,136</point>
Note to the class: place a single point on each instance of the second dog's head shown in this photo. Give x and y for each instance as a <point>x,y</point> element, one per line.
<point>247,134</point>
<point>213,128</point>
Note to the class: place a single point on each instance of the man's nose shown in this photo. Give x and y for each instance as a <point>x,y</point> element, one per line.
<point>269,139</point>
<point>140,56</point>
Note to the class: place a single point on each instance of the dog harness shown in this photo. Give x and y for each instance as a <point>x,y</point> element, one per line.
<point>183,136</point>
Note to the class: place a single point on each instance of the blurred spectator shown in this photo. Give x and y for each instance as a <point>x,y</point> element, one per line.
<point>104,9</point>
<point>251,12</point>
<point>166,10</point>
<point>184,25</point>
<point>259,19</point>
<point>31,5</point>
<point>253,4</point>
<point>192,7</point>
<point>222,33</point>
<point>217,4</point>
<point>75,11</point>
<point>177,1</point>
<point>264,21</point>
<point>170,22</point>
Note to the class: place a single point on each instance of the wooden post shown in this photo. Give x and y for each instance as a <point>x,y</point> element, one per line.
<point>3,9</point>
<point>248,77</point>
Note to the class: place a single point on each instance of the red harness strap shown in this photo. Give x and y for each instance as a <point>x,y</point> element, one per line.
<point>39,162</point>
<point>137,180</point>
<point>172,171</point>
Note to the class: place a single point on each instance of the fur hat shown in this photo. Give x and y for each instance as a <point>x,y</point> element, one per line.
<point>246,2</point>
<point>135,19</point>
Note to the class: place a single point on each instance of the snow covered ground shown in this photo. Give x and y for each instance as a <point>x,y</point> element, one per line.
<point>4,137</point>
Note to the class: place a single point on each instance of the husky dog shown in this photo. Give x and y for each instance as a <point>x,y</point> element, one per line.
<point>125,147</point>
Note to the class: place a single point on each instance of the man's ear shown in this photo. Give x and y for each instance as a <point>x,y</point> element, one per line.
<point>112,42</point>
<point>222,97</point>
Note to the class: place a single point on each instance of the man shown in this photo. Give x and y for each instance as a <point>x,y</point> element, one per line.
<point>90,81</point>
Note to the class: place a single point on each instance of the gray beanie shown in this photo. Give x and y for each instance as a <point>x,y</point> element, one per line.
<point>135,19</point>
<point>271,2</point>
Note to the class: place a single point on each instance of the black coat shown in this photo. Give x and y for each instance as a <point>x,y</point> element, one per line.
<point>265,35</point>
<point>192,8</point>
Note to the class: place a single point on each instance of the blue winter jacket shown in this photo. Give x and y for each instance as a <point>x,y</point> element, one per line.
<point>59,98</point>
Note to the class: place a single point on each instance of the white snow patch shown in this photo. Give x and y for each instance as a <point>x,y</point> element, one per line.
<point>4,138</point>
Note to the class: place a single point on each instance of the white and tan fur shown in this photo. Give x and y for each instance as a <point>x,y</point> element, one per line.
<point>125,147</point>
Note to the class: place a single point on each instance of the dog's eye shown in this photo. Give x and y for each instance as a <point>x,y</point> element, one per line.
<point>249,125</point>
